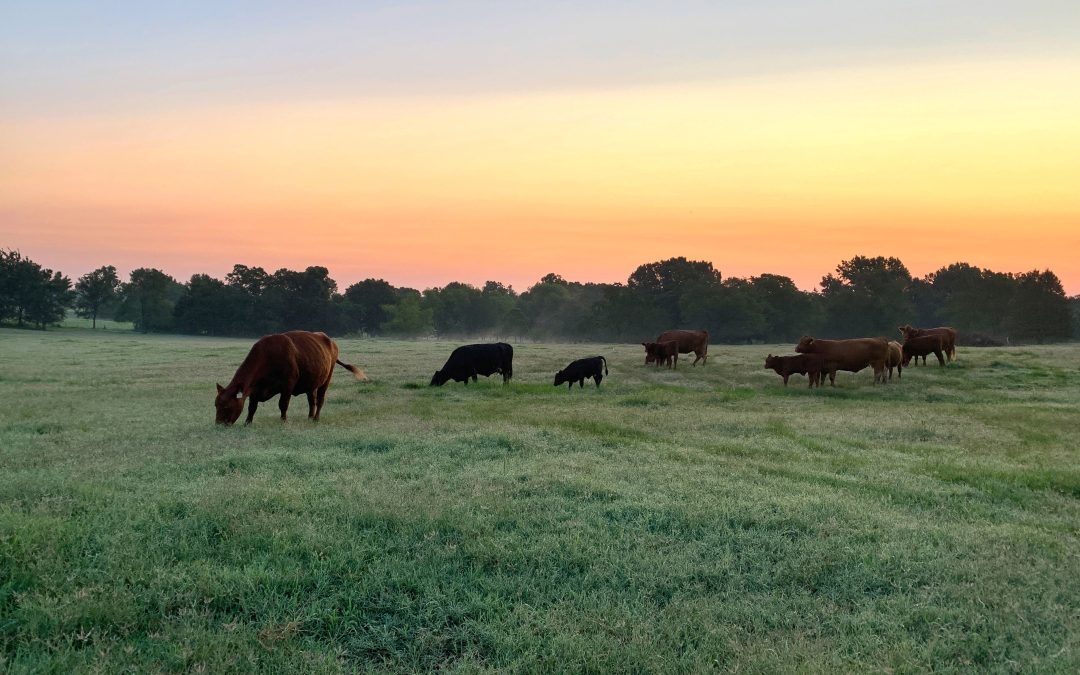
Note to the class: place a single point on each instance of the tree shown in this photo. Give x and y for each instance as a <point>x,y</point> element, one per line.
<point>1074,308</point>
<point>1039,309</point>
<point>867,297</point>
<point>408,317</point>
<point>148,299</point>
<point>731,312</point>
<point>662,284</point>
<point>788,313</point>
<point>31,293</point>
<point>211,307</point>
<point>95,291</point>
<point>49,304</point>
<point>366,301</point>
<point>298,300</point>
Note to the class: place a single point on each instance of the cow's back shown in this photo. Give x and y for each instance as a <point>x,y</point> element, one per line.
<point>315,357</point>
<point>687,340</point>
<point>855,352</point>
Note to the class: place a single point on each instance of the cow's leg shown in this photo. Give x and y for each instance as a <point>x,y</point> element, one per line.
<point>570,386</point>
<point>940,360</point>
<point>320,398</point>
<point>675,361</point>
<point>786,376</point>
<point>283,404</point>
<point>598,377</point>
<point>252,405</point>
<point>899,371</point>
<point>311,405</point>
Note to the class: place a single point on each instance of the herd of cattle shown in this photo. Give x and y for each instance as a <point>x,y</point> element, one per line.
<point>300,362</point>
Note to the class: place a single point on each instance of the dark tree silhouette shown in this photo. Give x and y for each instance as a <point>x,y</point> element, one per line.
<point>95,292</point>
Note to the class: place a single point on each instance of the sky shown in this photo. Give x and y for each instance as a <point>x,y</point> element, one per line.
<point>428,142</point>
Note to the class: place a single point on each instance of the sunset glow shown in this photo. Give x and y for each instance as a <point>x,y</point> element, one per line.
<point>934,160</point>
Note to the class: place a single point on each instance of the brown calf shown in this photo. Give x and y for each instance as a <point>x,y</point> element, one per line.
<point>922,345</point>
<point>696,341</point>
<point>811,365</point>
<point>949,337</point>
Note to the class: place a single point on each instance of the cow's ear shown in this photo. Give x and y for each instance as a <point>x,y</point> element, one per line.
<point>644,345</point>
<point>810,341</point>
<point>220,388</point>
<point>769,356</point>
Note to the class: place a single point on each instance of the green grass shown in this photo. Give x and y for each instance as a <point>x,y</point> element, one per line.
<point>671,521</point>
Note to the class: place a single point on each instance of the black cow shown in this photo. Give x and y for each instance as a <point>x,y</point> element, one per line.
<point>472,360</point>
<point>581,370</point>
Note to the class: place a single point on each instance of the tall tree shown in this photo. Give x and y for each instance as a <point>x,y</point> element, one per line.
<point>366,299</point>
<point>148,299</point>
<point>211,307</point>
<point>1039,309</point>
<point>408,317</point>
<point>49,303</point>
<point>867,297</point>
<point>31,293</point>
<point>663,284</point>
<point>96,291</point>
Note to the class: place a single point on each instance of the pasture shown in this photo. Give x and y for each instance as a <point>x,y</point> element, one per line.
<point>671,521</point>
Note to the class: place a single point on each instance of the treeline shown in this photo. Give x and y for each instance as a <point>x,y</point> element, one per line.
<point>863,296</point>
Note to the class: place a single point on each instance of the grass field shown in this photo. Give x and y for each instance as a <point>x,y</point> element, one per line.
<point>672,521</point>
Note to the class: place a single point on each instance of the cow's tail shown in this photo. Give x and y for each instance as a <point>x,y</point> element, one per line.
<point>357,373</point>
<point>605,364</point>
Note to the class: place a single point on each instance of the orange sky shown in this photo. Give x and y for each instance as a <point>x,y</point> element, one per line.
<point>933,162</point>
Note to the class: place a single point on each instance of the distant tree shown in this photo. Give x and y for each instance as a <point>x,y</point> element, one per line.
<point>1039,309</point>
<point>408,317</point>
<point>663,284</point>
<point>497,303</point>
<point>1074,309</point>
<point>969,299</point>
<point>867,297</point>
<point>295,300</point>
<point>211,307</point>
<point>49,304</point>
<point>96,291</point>
<point>732,312</point>
<point>788,312</point>
<point>455,308</point>
<point>31,293</point>
<point>366,300</point>
<point>148,298</point>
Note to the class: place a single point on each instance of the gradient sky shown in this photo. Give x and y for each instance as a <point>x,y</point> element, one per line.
<point>429,142</point>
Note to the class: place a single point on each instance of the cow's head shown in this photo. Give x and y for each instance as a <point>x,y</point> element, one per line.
<point>560,378</point>
<point>908,331</point>
<point>439,379</point>
<point>806,345</point>
<point>229,404</point>
<point>650,351</point>
<point>771,361</point>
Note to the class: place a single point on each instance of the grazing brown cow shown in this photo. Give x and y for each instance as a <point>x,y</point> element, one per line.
<point>949,337</point>
<point>896,357</point>
<point>811,365</point>
<point>696,341</point>
<point>662,353</point>
<point>922,345</point>
<point>851,355</point>
<point>289,364</point>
